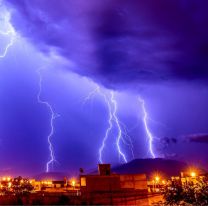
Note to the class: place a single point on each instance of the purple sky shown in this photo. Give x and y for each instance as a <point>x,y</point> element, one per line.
<point>154,49</point>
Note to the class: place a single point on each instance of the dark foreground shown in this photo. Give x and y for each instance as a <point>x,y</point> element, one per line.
<point>75,199</point>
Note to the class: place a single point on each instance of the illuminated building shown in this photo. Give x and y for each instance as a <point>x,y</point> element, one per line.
<point>107,188</point>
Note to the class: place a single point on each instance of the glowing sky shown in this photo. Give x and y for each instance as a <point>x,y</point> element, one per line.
<point>155,50</point>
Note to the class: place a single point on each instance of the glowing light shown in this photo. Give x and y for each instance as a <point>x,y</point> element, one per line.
<point>73,183</point>
<point>145,120</point>
<point>193,174</point>
<point>157,178</point>
<point>53,116</point>
<point>112,120</point>
<point>9,32</point>
<point>6,179</point>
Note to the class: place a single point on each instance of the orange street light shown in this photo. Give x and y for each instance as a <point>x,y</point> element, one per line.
<point>157,178</point>
<point>193,174</point>
<point>73,183</point>
<point>164,182</point>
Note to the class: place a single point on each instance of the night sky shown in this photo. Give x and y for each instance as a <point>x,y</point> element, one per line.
<point>80,53</point>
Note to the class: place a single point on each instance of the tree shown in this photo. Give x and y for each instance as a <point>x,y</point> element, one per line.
<point>17,186</point>
<point>21,185</point>
<point>173,194</point>
<point>202,192</point>
<point>191,193</point>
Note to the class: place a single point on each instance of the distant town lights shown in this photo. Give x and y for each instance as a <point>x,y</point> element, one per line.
<point>6,179</point>
<point>157,178</point>
<point>73,183</point>
<point>193,174</point>
<point>164,182</point>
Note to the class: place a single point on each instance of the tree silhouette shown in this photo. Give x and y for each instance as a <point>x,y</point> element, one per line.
<point>191,193</point>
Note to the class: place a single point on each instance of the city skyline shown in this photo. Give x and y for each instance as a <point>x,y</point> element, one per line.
<point>83,83</point>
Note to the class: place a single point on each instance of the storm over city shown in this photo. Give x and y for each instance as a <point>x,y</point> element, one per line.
<point>102,81</point>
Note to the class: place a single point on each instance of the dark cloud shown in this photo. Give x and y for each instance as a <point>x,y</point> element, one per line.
<point>165,143</point>
<point>169,140</point>
<point>118,41</point>
<point>198,138</point>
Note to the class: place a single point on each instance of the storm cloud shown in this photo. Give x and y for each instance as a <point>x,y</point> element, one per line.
<point>121,42</point>
<point>198,138</point>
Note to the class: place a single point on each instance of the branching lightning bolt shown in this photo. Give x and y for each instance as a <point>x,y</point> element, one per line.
<point>119,137</point>
<point>112,120</point>
<point>53,116</point>
<point>126,139</point>
<point>10,32</point>
<point>148,132</point>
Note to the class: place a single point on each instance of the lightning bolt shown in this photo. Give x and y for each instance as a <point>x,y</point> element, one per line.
<point>110,118</point>
<point>12,35</point>
<point>10,32</point>
<point>126,139</point>
<point>113,120</point>
<point>119,137</point>
<point>53,116</point>
<point>108,130</point>
<point>148,132</point>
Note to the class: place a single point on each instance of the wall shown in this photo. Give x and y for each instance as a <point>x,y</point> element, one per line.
<point>137,182</point>
<point>96,183</point>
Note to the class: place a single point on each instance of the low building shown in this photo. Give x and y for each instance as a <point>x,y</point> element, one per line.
<point>107,188</point>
